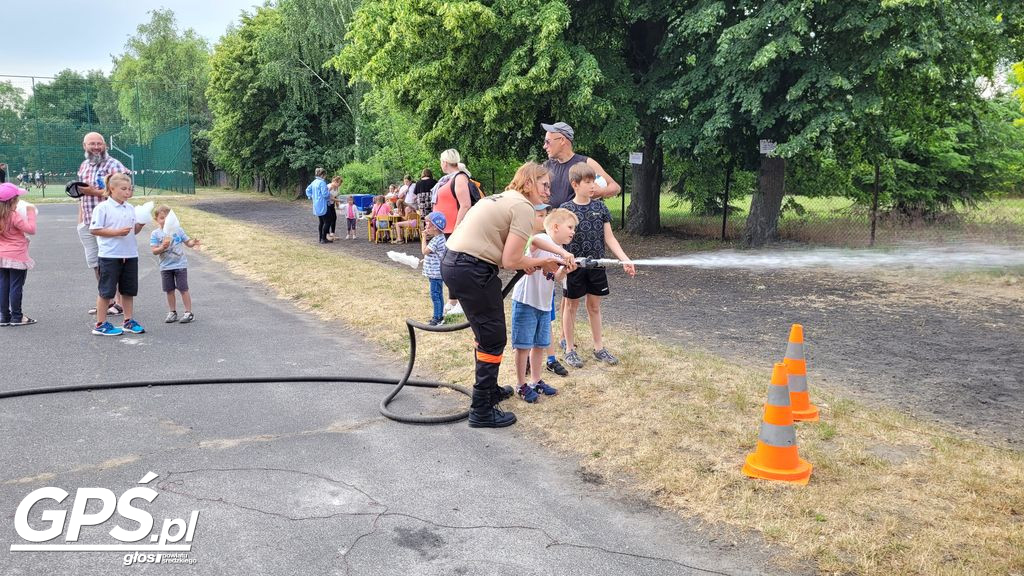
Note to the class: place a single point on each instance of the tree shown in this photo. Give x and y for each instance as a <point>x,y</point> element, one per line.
<point>297,113</point>
<point>12,128</point>
<point>805,73</point>
<point>247,119</point>
<point>478,77</point>
<point>319,114</point>
<point>75,99</point>
<point>161,80</point>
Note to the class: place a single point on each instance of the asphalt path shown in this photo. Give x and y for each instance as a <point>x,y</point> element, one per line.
<point>286,478</point>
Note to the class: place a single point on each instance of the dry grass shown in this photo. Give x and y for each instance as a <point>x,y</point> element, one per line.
<point>889,495</point>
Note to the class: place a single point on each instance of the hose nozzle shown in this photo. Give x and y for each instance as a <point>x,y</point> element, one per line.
<point>591,263</point>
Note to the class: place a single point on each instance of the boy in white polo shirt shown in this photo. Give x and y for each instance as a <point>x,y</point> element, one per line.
<point>531,305</point>
<point>113,223</point>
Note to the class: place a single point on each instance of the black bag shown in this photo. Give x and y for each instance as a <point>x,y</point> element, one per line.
<point>474,190</point>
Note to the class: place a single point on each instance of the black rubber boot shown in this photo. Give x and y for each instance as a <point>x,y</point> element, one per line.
<point>493,418</point>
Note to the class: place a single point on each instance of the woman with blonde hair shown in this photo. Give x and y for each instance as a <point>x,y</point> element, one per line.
<point>453,199</point>
<point>493,235</point>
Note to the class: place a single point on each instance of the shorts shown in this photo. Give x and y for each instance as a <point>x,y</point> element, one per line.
<point>585,281</point>
<point>92,248</point>
<point>176,279</point>
<point>118,274</point>
<point>531,328</point>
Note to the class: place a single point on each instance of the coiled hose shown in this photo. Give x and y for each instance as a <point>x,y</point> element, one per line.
<point>384,410</point>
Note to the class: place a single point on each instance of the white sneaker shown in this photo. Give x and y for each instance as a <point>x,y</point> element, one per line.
<point>456,310</point>
<point>447,308</point>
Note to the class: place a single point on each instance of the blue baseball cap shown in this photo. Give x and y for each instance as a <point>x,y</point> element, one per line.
<point>437,219</point>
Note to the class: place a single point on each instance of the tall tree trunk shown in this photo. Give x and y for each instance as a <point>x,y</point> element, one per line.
<point>644,205</point>
<point>725,199</point>
<point>763,221</point>
<point>874,202</point>
<point>304,178</point>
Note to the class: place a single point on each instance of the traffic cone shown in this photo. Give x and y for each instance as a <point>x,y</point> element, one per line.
<point>776,457</point>
<point>796,367</point>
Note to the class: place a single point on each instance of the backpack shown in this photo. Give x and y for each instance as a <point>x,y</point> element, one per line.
<point>475,191</point>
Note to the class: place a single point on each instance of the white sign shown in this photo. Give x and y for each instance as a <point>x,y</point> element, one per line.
<point>768,146</point>
<point>636,157</point>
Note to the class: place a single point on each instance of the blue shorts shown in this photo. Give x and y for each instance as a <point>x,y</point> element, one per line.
<point>531,328</point>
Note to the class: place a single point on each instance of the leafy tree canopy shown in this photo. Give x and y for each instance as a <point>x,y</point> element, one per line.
<point>161,78</point>
<point>477,76</point>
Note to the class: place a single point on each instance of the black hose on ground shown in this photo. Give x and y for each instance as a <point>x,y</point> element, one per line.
<point>398,384</point>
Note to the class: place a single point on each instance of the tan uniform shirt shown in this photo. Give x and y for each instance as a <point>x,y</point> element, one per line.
<point>488,223</point>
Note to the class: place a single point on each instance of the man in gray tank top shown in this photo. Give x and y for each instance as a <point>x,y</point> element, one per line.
<point>558,142</point>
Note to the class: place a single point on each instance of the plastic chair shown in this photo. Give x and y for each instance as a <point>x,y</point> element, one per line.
<point>412,232</point>
<point>384,229</point>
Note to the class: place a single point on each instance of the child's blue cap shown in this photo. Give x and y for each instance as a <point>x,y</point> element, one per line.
<point>437,219</point>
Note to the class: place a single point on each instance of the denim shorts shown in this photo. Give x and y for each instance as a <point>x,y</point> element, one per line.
<point>531,328</point>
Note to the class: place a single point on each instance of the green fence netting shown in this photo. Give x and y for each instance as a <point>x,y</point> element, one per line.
<point>43,122</point>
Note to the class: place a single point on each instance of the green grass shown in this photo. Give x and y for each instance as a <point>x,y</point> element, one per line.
<point>56,192</point>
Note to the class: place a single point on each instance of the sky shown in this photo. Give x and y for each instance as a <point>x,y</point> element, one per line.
<point>43,37</point>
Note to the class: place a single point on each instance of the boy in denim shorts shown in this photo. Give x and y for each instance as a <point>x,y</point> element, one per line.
<point>531,306</point>
<point>593,232</point>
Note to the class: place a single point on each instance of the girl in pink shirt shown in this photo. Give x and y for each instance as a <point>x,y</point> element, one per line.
<point>351,213</point>
<point>15,226</point>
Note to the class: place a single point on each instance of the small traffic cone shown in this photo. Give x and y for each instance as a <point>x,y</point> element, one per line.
<point>796,367</point>
<point>776,457</point>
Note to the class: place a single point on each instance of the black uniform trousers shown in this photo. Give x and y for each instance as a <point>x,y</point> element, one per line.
<point>475,283</point>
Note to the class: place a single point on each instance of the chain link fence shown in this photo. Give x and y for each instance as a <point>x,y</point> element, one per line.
<point>837,221</point>
<point>43,122</point>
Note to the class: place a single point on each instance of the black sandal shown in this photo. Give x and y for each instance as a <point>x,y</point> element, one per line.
<point>25,321</point>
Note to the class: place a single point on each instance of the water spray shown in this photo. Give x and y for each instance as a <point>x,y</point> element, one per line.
<point>959,257</point>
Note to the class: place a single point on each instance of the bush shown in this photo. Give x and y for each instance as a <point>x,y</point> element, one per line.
<point>362,178</point>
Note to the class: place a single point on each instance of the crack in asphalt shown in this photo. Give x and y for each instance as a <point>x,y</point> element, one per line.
<point>553,542</point>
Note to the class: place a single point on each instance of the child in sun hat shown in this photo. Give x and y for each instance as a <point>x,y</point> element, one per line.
<point>432,243</point>
<point>15,228</point>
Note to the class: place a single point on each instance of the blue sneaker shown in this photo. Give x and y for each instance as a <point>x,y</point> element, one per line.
<point>528,394</point>
<point>544,389</point>
<point>107,329</point>
<point>133,327</point>
<point>604,356</point>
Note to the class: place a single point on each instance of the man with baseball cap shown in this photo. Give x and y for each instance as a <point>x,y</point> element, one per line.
<point>93,172</point>
<point>558,142</point>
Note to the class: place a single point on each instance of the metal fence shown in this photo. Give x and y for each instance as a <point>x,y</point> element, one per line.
<point>840,221</point>
<point>43,122</point>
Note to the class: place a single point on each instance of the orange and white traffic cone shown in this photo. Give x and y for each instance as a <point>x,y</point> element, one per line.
<point>776,457</point>
<point>796,367</point>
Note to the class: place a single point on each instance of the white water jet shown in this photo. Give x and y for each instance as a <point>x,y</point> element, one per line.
<point>964,257</point>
